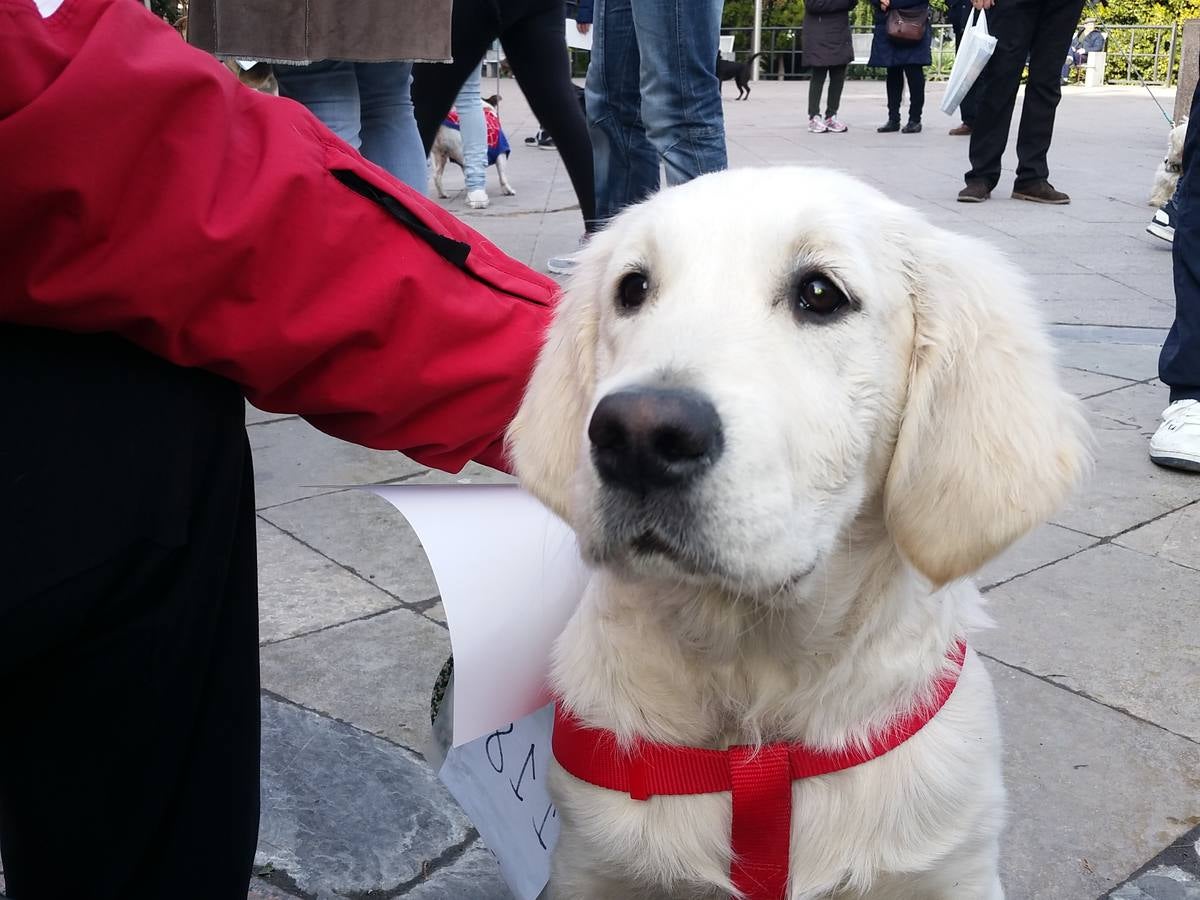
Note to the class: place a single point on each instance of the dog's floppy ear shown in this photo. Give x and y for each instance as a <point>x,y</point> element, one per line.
<point>989,442</point>
<point>544,440</point>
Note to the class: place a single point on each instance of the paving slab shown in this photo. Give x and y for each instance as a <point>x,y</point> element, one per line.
<point>473,876</point>
<point>1175,537</point>
<point>345,812</point>
<point>293,460</point>
<point>1092,792</point>
<point>1111,623</point>
<point>365,534</point>
<point>377,673</point>
<point>1042,546</point>
<point>1125,489</point>
<point>300,591</point>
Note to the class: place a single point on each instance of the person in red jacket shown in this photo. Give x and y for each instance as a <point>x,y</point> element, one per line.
<point>172,243</point>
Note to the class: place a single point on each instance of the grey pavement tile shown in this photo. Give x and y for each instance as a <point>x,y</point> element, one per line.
<point>293,460</point>
<point>1088,384</point>
<point>1165,883</point>
<point>299,590</point>
<point>1131,310</point>
<point>1174,537</point>
<point>1092,793</point>
<point>345,813</point>
<point>263,890</point>
<point>1111,623</point>
<point>377,673</point>
<point>473,876</point>
<point>1126,489</point>
<point>1040,547</point>
<point>255,416</point>
<point>366,534</point>
<point>1133,361</point>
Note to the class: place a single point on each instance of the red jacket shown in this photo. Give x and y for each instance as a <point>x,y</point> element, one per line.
<point>144,191</point>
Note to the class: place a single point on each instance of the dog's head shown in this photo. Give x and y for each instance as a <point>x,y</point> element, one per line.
<point>744,365</point>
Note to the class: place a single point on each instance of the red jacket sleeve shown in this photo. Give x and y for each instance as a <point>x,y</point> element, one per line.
<point>146,192</point>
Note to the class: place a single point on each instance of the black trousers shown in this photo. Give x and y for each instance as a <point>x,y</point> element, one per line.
<point>531,33</point>
<point>1041,31</point>
<point>1179,362</point>
<point>969,108</point>
<point>837,80</point>
<point>129,693</point>
<point>916,91</point>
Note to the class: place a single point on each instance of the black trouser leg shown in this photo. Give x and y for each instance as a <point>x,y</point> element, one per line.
<point>916,91</point>
<point>1012,24</point>
<point>537,53</point>
<point>474,25</point>
<point>815,86</point>
<point>895,91</point>
<point>837,81</point>
<point>1179,362</point>
<point>1051,40</point>
<point>129,694</point>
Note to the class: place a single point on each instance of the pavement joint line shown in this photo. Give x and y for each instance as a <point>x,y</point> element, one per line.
<point>342,490</point>
<point>1102,325</point>
<point>275,642</point>
<point>272,421</point>
<point>1084,695</point>
<point>448,857</point>
<point>358,729</point>
<point>1011,578</point>
<point>341,565</point>
<point>1121,387</point>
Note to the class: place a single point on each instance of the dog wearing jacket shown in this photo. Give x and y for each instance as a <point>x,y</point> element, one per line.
<point>783,447</point>
<point>448,147</point>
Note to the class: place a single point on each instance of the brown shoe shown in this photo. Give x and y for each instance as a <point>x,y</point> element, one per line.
<point>961,130</point>
<point>974,192</point>
<point>1040,192</point>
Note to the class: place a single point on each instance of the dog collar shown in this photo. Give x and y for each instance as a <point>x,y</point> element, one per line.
<point>760,778</point>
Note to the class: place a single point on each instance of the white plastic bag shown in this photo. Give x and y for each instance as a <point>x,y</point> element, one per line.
<point>973,54</point>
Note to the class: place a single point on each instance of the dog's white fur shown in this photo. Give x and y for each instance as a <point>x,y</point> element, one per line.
<point>871,463</point>
<point>1166,176</point>
<point>448,147</point>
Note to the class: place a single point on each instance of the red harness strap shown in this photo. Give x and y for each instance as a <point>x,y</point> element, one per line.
<point>760,778</point>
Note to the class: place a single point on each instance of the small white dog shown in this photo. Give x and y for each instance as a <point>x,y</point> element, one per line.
<point>1166,176</point>
<point>784,440</point>
<point>448,147</point>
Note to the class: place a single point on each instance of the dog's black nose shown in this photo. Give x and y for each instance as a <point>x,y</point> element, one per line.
<point>647,438</point>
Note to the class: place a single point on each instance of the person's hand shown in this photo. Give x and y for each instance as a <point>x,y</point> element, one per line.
<point>884,4</point>
<point>983,4</point>
<point>584,27</point>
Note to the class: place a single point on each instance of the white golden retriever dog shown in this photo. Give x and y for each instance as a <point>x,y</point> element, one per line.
<point>787,417</point>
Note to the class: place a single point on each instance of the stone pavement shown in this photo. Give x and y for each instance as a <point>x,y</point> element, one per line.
<point>1096,654</point>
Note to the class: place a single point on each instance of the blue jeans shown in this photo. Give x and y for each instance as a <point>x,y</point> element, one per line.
<point>474,132</point>
<point>368,106</point>
<point>1179,361</point>
<point>653,97</point>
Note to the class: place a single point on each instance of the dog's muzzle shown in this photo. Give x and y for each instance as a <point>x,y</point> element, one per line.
<point>654,439</point>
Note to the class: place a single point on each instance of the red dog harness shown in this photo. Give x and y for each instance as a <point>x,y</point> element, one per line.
<point>760,778</point>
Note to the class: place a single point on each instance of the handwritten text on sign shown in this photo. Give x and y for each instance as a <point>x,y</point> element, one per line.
<point>500,782</point>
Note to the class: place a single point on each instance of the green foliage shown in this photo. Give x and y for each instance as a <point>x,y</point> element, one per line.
<point>1141,53</point>
<point>740,13</point>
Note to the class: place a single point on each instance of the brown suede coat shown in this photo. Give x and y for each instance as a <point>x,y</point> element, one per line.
<point>310,30</point>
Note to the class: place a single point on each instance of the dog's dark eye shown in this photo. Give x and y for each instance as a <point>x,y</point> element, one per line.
<point>632,291</point>
<point>817,295</point>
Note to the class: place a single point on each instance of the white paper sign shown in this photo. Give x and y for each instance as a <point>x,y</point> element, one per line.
<point>510,577</point>
<point>575,40</point>
<point>500,782</point>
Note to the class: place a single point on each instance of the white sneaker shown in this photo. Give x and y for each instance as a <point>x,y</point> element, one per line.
<point>1176,444</point>
<point>477,199</point>
<point>834,125</point>
<point>1162,226</point>
<point>565,263</point>
<point>817,125</point>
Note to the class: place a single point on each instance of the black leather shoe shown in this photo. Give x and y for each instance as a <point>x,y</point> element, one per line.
<point>974,192</point>
<point>911,128</point>
<point>889,125</point>
<point>1040,192</point>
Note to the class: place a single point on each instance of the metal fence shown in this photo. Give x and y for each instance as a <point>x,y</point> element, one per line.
<point>1135,52</point>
